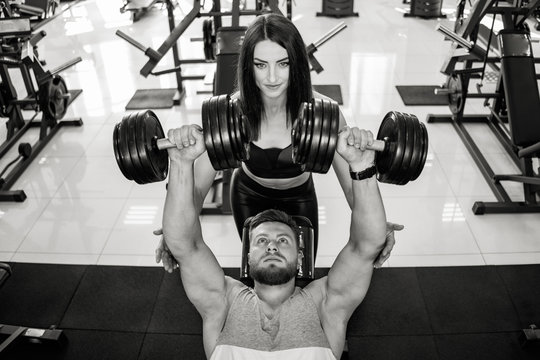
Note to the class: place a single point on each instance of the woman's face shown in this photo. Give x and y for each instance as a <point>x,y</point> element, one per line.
<point>271,69</point>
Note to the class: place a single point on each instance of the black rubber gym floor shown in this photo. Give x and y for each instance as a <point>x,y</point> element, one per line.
<point>123,312</point>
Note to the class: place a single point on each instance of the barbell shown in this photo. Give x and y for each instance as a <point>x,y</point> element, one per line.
<point>139,142</point>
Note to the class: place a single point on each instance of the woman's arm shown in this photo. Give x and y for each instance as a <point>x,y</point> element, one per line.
<point>340,166</point>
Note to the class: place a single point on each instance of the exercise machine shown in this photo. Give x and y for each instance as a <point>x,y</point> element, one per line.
<point>513,106</point>
<point>47,94</point>
<point>155,56</point>
<point>137,8</point>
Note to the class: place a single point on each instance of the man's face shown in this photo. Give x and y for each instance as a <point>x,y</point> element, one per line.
<point>273,257</point>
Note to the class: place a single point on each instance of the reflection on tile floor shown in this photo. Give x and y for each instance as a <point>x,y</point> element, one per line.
<point>80,209</point>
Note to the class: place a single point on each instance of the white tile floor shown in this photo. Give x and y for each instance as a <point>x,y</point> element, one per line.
<point>80,209</point>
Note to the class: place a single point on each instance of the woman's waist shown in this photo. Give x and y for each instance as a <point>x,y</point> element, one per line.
<point>277,183</point>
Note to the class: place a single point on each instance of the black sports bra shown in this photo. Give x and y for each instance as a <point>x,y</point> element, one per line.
<point>272,163</point>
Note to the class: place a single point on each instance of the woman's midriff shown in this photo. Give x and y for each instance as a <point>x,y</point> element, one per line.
<point>278,184</point>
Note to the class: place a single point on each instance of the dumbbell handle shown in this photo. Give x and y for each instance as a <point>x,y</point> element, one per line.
<point>162,144</point>
<point>378,145</point>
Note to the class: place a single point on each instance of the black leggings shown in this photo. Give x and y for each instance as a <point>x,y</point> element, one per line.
<point>248,198</point>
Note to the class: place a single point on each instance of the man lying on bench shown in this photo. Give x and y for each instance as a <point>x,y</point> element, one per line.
<point>274,319</point>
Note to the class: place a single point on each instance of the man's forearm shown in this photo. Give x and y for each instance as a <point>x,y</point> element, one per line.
<point>368,225</point>
<point>181,226</point>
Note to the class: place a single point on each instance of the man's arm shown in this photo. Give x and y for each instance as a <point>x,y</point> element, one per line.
<point>202,276</point>
<point>349,277</point>
<point>341,168</point>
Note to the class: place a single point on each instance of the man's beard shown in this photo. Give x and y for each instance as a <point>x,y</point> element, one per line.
<point>272,275</point>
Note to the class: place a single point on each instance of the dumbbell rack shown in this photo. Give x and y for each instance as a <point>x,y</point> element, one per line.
<point>20,30</point>
<point>513,102</point>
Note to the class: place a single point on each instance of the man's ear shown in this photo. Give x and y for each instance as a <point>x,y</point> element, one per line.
<point>300,259</point>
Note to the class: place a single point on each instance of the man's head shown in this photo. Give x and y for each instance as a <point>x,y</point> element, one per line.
<point>274,253</point>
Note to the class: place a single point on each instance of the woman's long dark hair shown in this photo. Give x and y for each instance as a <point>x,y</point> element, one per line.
<point>279,29</point>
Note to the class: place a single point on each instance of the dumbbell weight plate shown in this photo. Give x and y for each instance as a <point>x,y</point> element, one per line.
<point>408,147</point>
<point>232,132</point>
<point>157,159</point>
<point>425,142</point>
<point>385,159</point>
<point>147,170</point>
<point>326,134</point>
<point>456,96</point>
<point>216,136</point>
<point>245,131</point>
<point>221,129</point>
<point>223,107</point>
<point>120,157</point>
<point>326,160</point>
<point>299,134</point>
<point>309,132</point>
<point>216,131</point>
<point>401,145</point>
<point>242,130</point>
<point>207,133</point>
<point>211,129</point>
<point>234,112</point>
<point>314,139</point>
<point>318,144</point>
<point>131,136</point>
<point>333,109</point>
<point>241,133</point>
<point>418,147</point>
<point>52,97</point>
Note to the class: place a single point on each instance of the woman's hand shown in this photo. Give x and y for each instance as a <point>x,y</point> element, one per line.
<point>163,254</point>
<point>389,244</point>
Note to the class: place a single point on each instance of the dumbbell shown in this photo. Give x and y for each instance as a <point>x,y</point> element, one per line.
<point>401,145</point>
<point>139,142</point>
<point>140,145</point>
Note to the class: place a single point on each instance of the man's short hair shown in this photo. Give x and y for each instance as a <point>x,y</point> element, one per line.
<point>273,215</point>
